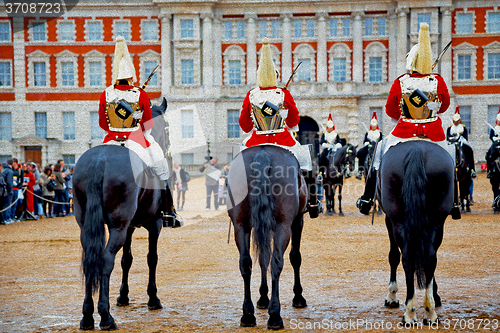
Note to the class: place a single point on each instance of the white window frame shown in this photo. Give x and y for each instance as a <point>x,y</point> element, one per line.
<point>87,31</point>
<point>305,51</point>
<point>96,132</point>
<point>189,133</point>
<point>156,31</point>
<point>465,49</point>
<point>45,126</point>
<point>115,22</point>
<point>150,55</point>
<point>177,27</point>
<point>72,129</point>
<point>375,49</point>
<point>11,85</point>
<point>94,56</point>
<point>487,23</point>
<point>339,50</point>
<point>339,29</point>
<point>473,21</point>
<point>38,56</point>
<point>493,47</point>
<point>234,52</point>
<point>189,31</point>
<point>304,28</point>
<point>31,32</point>
<point>9,39</point>
<point>6,131</point>
<point>414,21</point>
<point>66,56</point>
<point>60,32</point>
<point>235,125</point>
<point>375,28</point>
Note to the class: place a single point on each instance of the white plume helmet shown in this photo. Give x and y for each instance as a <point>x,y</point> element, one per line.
<point>123,67</point>
<point>420,56</point>
<point>266,74</point>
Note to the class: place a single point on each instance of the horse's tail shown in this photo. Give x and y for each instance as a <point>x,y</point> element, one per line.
<point>416,221</point>
<point>262,206</point>
<point>93,234</point>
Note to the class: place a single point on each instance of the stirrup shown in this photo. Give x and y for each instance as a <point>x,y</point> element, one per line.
<point>171,220</point>
<point>455,212</point>
<point>364,205</point>
<point>313,209</point>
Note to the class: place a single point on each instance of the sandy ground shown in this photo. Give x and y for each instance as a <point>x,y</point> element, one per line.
<point>345,274</point>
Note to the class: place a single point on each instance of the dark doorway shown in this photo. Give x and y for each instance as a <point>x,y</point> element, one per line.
<point>33,154</point>
<point>308,134</point>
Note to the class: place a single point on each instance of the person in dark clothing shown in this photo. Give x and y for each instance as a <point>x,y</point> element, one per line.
<point>181,183</point>
<point>17,180</point>
<point>212,175</point>
<point>8,175</point>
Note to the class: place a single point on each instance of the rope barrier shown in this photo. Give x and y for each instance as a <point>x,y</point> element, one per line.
<point>26,190</point>
<point>6,208</point>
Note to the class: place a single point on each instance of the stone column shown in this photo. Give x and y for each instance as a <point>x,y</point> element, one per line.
<point>19,77</point>
<point>392,24</point>
<point>217,51</point>
<point>208,70</point>
<point>402,39</point>
<point>166,53</point>
<point>446,61</point>
<point>251,49</point>
<point>357,47</point>
<point>286,47</point>
<point>322,65</point>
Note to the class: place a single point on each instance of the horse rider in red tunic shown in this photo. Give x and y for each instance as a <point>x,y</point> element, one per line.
<point>125,114</point>
<point>414,101</point>
<point>270,113</point>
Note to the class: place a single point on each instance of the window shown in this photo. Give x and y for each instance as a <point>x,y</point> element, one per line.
<point>233,127</point>
<point>149,31</point>
<point>96,132</point>
<point>5,74</point>
<point>40,75</point>
<point>149,66</point>
<point>492,114</point>
<point>94,31</point>
<point>228,30</point>
<point>5,32</point>
<point>187,159</point>
<point>494,66</point>
<point>375,69</point>
<point>69,159</point>
<point>297,26</point>
<point>275,29</point>
<point>333,27</point>
<point>465,116</point>
<point>304,72</point>
<point>240,29</point>
<point>95,69</point>
<point>122,29</point>
<point>368,26</point>
<point>493,22</point>
<point>464,23</point>
<point>381,26</point>
<point>424,18</point>
<point>464,67</point>
<point>187,124</point>
<point>346,27</point>
<point>187,29</point>
<point>68,125</point>
<point>234,72</point>
<point>187,68</point>
<point>66,31</point>
<point>262,29</point>
<point>39,31</point>
<point>41,124</point>
<point>5,126</point>
<point>310,28</point>
<point>68,73</point>
<point>339,70</point>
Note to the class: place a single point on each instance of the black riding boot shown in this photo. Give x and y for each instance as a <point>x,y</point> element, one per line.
<point>365,202</point>
<point>169,215</point>
<point>455,211</point>
<point>312,197</point>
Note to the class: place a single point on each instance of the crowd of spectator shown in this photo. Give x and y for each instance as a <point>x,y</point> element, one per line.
<point>28,193</point>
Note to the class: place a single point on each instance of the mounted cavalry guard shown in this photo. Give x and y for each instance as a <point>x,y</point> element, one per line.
<point>414,101</point>
<point>125,114</point>
<point>494,137</point>
<point>458,133</point>
<point>372,137</point>
<point>270,113</point>
<point>330,142</point>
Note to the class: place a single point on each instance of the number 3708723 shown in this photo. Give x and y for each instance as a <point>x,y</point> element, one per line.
<point>35,7</point>
<point>473,324</point>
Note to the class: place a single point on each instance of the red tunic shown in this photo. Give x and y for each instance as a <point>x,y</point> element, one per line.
<point>284,138</point>
<point>29,191</point>
<point>146,122</point>
<point>433,130</point>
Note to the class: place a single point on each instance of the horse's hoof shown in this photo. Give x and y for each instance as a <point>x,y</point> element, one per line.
<point>87,323</point>
<point>156,305</point>
<point>412,321</point>
<point>496,212</point>
<point>330,213</point>
<point>275,322</point>
<point>341,214</point>
<point>263,303</point>
<point>428,322</point>
<point>392,305</point>
<point>108,325</point>
<point>122,301</point>
<point>437,301</point>
<point>299,302</point>
<point>379,212</point>
<point>468,210</point>
<point>248,320</point>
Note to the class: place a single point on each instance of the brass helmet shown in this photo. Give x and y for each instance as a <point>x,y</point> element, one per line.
<point>374,122</point>
<point>123,67</point>
<point>330,126</point>
<point>419,59</point>
<point>456,117</point>
<point>266,74</point>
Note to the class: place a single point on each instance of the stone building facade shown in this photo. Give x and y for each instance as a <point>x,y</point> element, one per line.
<point>53,70</point>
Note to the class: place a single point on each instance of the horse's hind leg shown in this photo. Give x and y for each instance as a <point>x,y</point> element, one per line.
<point>340,200</point>
<point>126,263</point>
<point>263,302</point>
<point>296,260</point>
<point>87,322</point>
<point>391,301</point>
<point>154,232</point>
<point>242,238</point>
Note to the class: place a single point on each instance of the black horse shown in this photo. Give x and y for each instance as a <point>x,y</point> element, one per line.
<point>364,165</point>
<point>415,188</point>
<point>334,168</point>
<point>464,177</point>
<point>107,193</point>
<point>493,161</point>
<point>267,197</point>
